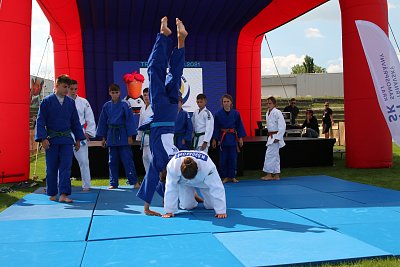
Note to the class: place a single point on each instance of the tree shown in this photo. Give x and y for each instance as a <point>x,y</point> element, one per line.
<point>308,66</point>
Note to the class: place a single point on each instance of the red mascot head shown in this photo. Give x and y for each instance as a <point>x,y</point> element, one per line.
<point>134,82</point>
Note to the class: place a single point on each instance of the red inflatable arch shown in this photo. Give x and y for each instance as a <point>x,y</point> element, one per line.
<point>369,144</point>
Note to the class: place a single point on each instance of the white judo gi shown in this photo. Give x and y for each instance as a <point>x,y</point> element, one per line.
<point>143,137</point>
<point>86,116</point>
<point>203,128</point>
<point>275,123</point>
<point>207,180</point>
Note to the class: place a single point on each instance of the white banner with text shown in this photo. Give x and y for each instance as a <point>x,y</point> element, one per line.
<point>385,71</point>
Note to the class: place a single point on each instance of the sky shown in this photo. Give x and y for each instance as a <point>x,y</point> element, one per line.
<point>316,33</point>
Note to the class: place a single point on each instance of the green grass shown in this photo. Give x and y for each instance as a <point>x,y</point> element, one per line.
<point>388,178</point>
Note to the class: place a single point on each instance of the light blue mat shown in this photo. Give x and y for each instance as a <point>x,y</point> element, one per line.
<point>44,230</point>
<point>384,235</point>
<point>60,254</point>
<point>279,247</point>
<point>290,221</point>
<point>334,216</point>
<point>180,250</point>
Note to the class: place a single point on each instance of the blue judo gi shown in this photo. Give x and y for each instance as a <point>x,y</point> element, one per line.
<point>164,96</point>
<point>228,128</point>
<point>183,130</point>
<point>116,123</point>
<point>56,122</point>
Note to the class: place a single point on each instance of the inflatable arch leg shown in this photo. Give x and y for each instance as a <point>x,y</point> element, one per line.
<point>368,140</point>
<point>15,27</point>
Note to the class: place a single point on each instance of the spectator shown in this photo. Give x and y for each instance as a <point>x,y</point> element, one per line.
<point>327,120</point>
<point>293,110</point>
<point>310,125</point>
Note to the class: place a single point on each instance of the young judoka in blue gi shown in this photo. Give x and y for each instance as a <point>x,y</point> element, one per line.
<point>116,127</point>
<point>164,97</point>
<point>229,132</point>
<point>183,128</point>
<point>57,119</point>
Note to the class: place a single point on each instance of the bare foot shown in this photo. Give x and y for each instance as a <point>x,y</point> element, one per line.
<point>53,198</point>
<point>277,177</point>
<point>86,189</point>
<point>267,177</point>
<point>226,180</point>
<point>198,198</point>
<point>164,27</point>
<point>112,187</point>
<point>151,213</point>
<point>137,185</point>
<point>234,180</point>
<point>65,199</point>
<point>181,32</point>
<point>148,211</point>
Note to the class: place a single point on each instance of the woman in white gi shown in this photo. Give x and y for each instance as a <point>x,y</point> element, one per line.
<point>186,171</point>
<point>276,129</point>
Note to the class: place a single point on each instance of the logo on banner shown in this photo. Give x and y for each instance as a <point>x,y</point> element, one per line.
<point>185,89</point>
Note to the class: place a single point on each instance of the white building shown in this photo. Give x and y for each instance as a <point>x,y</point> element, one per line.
<point>300,85</point>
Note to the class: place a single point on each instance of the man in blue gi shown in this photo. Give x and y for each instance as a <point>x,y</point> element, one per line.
<point>164,97</point>
<point>57,119</point>
<point>116,127</point>
<point>183,128</point>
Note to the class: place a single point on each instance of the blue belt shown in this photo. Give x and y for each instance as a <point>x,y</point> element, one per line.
<point>162,123</point>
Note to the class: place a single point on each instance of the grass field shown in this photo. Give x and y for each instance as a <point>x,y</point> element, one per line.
<point>388,178</point>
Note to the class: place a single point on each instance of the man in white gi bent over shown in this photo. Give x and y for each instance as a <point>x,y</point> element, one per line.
<point>187,170</point>
<point>86,117</point>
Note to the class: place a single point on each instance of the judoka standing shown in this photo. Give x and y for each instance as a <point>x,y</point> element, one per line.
<point>164,97</point>
<point>116,128</point>
<point>183,128</point>
<point>186,171</point>
<point>57,119</point>
<point>203,125</point>
<point>276,129</point>
<point>229,132</point>
<point>144,136</point>
<point>86,119</point>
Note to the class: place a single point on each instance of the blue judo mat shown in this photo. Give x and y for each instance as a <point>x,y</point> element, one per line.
<point>297,220</point>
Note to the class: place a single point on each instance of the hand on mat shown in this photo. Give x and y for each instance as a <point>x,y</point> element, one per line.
<point>168,215</point>
<point>221,216</point>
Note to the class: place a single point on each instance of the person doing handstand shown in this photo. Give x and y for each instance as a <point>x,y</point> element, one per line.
<point>164,95</point>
